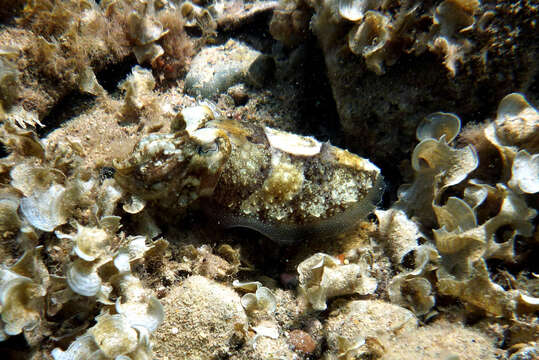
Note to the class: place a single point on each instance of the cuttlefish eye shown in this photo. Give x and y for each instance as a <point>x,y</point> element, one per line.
<point>208,149</point>
<point>211,143</point>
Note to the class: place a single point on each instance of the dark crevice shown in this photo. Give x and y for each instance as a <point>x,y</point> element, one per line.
<point>106,172</point>
<point>533,90</point>
<point>3,151</point>
<point>193,32</point>
<point>408,260</point>
<point>68,107</point>
<point>15,347</point>
<point>254,32</point>
<point>524,261</point>
<point>273,263</point>
<point>527,253</point>
<point>110,76</point>
<point>392,181</point>
<point>318,108</point>
<point>503,234</point>
<point>10,10</point>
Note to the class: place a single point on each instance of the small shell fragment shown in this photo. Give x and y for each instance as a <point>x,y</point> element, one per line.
<point>516,128</point>
<point>399,233</point>
<point>137,86</point>
<point>82,348</point>
<point>415,293</point>
<point>16,295</point>
<point>45,210</point>
<point>476,193</point>
<point>291,143</point>
<point>121,261</point>
<point>454,16</point>
<point>456,214</point>
<point>88,83</point>
<point>514,106</point>
<point>322,277</point>
<point>371,34</point>
<point>192,118</point>
<point>412,289</point>
<point>354,10</point>
<point>90,242</point>
<point>148,314</point>
<point>144,29</point>
<point>22,288</point>
<point>438,155</point>
<point>113,335</point>
<point>9,203</point>
<point>258,298</point>
<point>148,53</point>
<point>525,173</point>
<point>82,278</point>
<point>134,205</point>
<point>268,331</point>
<point>439,124</point>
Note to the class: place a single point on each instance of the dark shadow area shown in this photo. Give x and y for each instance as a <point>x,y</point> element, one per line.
<point>254,32</point>
<point>533,90</point>
<point>15,348</point>
<point>392,181</point>
<point>193,31</point>
<point>68,107</point>
<point>526,255</point>
<point>255,244</point>
<point>319,111</point>
<point>3,151</point>
<point>10,10</point>
<point>111,75</point>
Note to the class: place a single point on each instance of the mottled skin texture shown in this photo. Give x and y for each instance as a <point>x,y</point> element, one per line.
<point>174,169</point>
<point>277,187</point>
<point>282,185</point>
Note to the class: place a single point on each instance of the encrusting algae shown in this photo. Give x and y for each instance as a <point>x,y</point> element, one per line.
<point>118,226</point>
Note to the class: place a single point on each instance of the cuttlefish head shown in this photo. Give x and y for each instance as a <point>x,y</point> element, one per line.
<point>175,169</point>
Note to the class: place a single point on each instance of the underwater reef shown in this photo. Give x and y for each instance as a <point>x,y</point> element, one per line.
<point>295,179</point>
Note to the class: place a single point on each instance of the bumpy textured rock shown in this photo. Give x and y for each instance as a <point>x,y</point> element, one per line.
<point>440,340</point>
<point>359,320</point>
<point>385,331</point>
<point>217,68</point>
<point>268,348</point>
<point>204,320</point>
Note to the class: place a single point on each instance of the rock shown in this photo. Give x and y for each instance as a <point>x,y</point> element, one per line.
<point>441,340</point>
<point>302,341</point>
<point>366,318</point>
<point>204,320</point>
<point>217,68</point>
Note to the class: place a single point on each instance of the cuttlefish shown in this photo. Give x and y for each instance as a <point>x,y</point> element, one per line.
<point>287,187</point>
